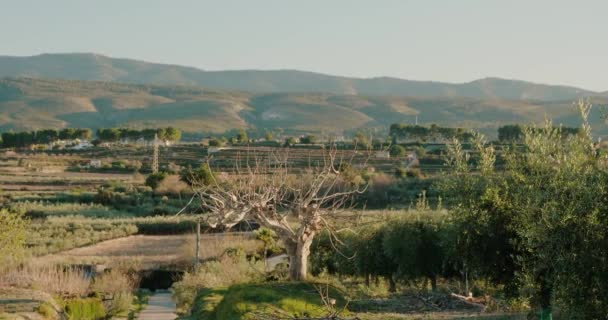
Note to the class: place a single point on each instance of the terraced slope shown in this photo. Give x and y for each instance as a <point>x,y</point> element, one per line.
<point>27,104</point>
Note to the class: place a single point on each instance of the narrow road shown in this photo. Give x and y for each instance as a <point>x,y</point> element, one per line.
<point>160,307</point>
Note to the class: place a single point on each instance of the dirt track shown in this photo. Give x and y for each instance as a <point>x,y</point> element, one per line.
<point>160,307</point>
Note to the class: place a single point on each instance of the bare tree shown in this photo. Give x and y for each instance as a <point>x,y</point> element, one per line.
<point>295,204</point>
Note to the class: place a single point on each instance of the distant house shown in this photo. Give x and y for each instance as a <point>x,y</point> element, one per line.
<point>80,145</point>
<point>383,154</point>
<point>95,163</point>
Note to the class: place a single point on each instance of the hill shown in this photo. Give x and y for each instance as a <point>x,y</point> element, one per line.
<point>27,104</point>
<point>84,66</point>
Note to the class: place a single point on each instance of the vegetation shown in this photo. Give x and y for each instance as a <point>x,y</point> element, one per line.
<point>538,227</point>
<point>12,236</point>
<point>154,180</point>
<point>115,134</point>
<point>264,301</point>
<point>27,138</point>
<point>421,133</point>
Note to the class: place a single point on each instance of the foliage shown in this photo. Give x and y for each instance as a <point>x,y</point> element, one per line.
<point>216,142</point>
<point>113,282</point>
<point>153,180</point>
<point>515,133</point>
<point>309,139</point>
<point>547,211</point>
<point>120,304</point>
<point>417,247</point>
<point>27,138</point>
<point>115,134</point>
<point>241,136</point>
<point>12,236</point>
<point>265,301</point>
<point>225,271</point>
<point>57,280</point>
<point>197,177</point>
<point>290,141</point>
<point>397,151</point>
<point>421,133</point>
<point>85,309</point>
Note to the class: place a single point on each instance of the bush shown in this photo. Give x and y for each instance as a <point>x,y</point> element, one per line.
<point>85,309</point>
<point>417,247</point>
<point>114,282</point>
<point>120,304</point>
<point>223,272</point>
<point>397,151</point>
<point>154,179</point>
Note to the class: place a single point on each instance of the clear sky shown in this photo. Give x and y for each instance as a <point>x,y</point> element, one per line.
<point>549,41</point>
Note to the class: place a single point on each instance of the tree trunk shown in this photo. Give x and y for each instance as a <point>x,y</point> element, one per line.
<point>367,280</point>
<point>545,300</point>
<point>434,283</point>
<point>392,286</point>
<point>298,257</point>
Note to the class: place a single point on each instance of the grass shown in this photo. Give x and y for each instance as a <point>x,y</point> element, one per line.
<point>45,209</point>
<point>257,301</point>
<point>56,280</point>
<point>56,234</point>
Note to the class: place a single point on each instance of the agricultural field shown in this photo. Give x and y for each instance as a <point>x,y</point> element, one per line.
<point>107,218</point>
<point>101,232</point>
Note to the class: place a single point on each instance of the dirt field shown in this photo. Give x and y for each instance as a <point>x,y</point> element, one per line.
<point>149,252</point>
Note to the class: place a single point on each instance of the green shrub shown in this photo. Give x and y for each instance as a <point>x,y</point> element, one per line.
<point>154,179</point>
<point>256,301</point>
<point>120,304</point>
<point>85,309</point>
<point>397,151</point>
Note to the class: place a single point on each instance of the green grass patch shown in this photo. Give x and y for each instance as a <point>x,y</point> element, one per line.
<point>252,301</point>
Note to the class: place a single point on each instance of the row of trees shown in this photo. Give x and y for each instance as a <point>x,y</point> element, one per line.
<point>398,131</point>
<point>27,138</point>
<point>515,132</point>
<point>116,134</point>
<point>414,248</point>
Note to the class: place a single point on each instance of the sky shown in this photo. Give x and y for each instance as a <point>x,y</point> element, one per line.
<point>547,41</point>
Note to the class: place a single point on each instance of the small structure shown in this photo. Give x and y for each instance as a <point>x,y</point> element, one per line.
<point>95,163</point>
<point>212,150</point>
<point>382,154</point>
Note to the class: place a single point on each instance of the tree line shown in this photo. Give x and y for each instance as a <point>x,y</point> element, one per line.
<point>27,138</point>
<point>24,139</point>
<point>116,134</point>
<point>515,132</point>
<point>399,131</point>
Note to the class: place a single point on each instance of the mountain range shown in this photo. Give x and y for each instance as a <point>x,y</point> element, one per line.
<point>87,66</point>
<point>88,90</point>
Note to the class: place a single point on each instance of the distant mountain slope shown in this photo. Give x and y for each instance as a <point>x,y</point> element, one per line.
<point>83,66</point>
<point>27,104</point>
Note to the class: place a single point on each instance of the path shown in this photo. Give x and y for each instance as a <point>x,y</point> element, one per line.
<point>160,307</point>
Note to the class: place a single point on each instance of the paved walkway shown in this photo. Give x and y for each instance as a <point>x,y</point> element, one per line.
<point>160,307</point>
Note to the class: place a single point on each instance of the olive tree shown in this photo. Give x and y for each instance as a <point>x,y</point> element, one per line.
<point>297,206</point>
<point>547,211</point>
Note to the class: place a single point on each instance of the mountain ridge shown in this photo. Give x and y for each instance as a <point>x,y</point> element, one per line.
<point>96,67</point>
<point>30,104</point>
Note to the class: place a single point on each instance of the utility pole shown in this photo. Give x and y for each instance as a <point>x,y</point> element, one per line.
<point>197,260</point>
<point>155,156</point>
